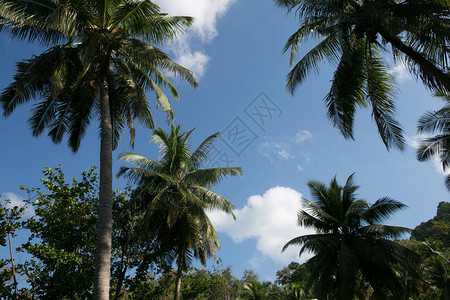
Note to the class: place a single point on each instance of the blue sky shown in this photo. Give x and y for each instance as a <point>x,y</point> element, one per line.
<point>235,49</point>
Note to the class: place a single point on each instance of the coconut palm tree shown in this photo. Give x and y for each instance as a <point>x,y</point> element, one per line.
<point>255,290</point>
<point>437,122</point>
<point>102,57</point>
<point>174,195</point>
<point>353,34</point>
<point>350,247</point>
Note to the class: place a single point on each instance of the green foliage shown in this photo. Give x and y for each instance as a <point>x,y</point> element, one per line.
<point>63,236</point>
<point>10,221</point>
<point>293,273</point>
<point>205,284</point>
<point>431,240</point>
<point>62,240</point>
<point>436,229</point>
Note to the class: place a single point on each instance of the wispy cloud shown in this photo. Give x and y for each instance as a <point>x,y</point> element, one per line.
<point>188,48</point>
<point>271,219</point>
<point>17,201</point>
<point>303,136</point>
<point>276,152</point>
<point>414,141</point>
<point>285,149</point>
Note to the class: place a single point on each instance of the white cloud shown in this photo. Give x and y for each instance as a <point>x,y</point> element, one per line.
<point>299,168</point>
<point>205,13</point>
<point>271,219</point>
<point>400,73</point>
<point>415,141</point>
<point>196,62</point>
<point>17,201</point>
<point>203,30</point>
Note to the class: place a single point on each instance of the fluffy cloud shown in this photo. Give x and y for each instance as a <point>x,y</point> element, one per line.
<point>271,219</point>
<point>17,201</point>
<point>204,30</point>
<point>196,62</point>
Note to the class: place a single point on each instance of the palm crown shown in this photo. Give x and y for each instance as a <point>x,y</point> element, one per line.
<point>174,195</point>
<point>351,246</point>
<point>353,34</point>
<point>90,42</point>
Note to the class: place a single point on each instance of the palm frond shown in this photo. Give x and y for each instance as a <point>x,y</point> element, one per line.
<point>381,210</point>
<point>381,92</point>
<point>212,176</point>
<point>214,200</point>
<point>436,121</point>
<point>200,155</point>
<point>328,48</point>
<point>347,90</point>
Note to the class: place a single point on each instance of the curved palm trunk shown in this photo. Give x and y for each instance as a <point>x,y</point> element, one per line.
<point>16,294</point>
<point>426,66</point>
<point>103,251</point>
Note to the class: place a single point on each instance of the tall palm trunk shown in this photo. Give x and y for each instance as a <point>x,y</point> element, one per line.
<point>103,251</point>
<point>176,295</point>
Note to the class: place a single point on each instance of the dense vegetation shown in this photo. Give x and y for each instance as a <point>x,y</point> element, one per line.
<point>61,249</point>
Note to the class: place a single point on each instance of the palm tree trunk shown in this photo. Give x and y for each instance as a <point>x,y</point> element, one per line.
<point>123,271</point>
<point>16,295</point>
<point>176,295</point>
<point>103,251</point>
<point>427,67</point>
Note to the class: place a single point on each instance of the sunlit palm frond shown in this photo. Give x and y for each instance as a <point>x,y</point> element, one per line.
<point>381,92</point>
<point>200,155</point>
<point>214,200</point>
<point>140,161</point>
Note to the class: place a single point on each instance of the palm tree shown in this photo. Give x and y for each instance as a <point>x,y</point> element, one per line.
<point>175,195</point>
<point>102,58</point>
<point>353,34</point>
<point>437,122</point>
<point>350,247</point>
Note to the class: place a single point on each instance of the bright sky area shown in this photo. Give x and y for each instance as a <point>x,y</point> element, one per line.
<point>235,50</point>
